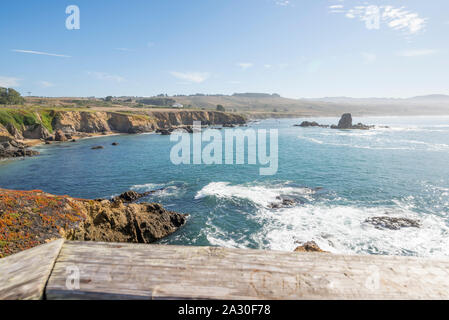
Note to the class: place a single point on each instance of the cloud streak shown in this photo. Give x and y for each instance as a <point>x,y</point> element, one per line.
<point>9,82</point>
<point>416,53</point>
<point>196,77</point>
<point>106,76</point>
<point>45,84</point>
<point>245,65</point>
<point>41,53</point>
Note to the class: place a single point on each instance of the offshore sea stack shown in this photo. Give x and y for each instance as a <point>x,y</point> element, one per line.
<point>31,218</point>
<point>345,123</point>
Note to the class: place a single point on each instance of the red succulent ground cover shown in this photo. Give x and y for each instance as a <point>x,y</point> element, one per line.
<point>31,218</point>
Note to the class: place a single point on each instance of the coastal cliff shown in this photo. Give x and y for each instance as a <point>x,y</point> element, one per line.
<point>60,125</point>
<point>95,122</point>
<point>30,218</point>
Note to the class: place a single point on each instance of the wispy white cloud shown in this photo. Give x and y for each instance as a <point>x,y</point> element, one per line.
<point>125,49</point>
<point>106,76</point>
<point>9,82</point>
<point>401,19</point>
<point>283,3</point>
<point>369,57</point>
<point>337,8</point>
<point>268,66</point>
<point>45,84</point>
<point>41,53</point>
<point>196,77</point>
<point>245,65</point>
<point>416,53</point>
<point>396,18</point>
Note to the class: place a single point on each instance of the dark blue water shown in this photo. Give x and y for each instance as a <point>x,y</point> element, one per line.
<point>338,179</point>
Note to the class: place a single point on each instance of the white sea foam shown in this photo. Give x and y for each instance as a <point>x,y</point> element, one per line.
<point>376,142</point>
<point>341,229</point>
<point>170,189</point>
<point>146,186</point>
<point>261,195</point>
<point>335,228</point>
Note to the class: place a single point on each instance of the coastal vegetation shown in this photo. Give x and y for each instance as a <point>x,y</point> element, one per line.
<point>30,218</point>
<point>10,96</point>
<point>20,118</point>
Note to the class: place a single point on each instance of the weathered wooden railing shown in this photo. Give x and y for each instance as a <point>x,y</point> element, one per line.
<point>87,270</point>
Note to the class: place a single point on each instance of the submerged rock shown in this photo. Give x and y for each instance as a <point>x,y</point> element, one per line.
<point>392,223</point>
<point>97,147</point>
<point>284,202</point>
<point>115,143</point>
<point>30,218</point>
<point>309,246</point>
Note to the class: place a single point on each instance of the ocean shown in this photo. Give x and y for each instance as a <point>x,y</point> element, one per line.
<point>337,178</point>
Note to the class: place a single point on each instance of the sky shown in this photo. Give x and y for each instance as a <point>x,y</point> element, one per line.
<point>297,48</point>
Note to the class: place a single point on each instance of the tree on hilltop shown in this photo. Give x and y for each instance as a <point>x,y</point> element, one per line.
<point>10,96</point>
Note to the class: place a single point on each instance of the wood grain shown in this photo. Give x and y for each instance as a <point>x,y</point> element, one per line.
<point>133,271</point>
<point>23,276</point>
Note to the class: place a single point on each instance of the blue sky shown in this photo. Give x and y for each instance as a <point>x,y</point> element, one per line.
<point>298,48</point>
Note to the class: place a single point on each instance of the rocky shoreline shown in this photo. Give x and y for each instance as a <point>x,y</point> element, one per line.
<point>63,126</point>
<point>31,218</point>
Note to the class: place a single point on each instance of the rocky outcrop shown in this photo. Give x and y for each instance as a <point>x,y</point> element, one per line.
<point>11,148</point>
<point>60,136</point>
<point>30,218</point>
<point>131,196</point>
<point>345,121</point>
<point>14,132</point>
<point>309,246</point>
<point>306,124</point>
<point>392,223</point>
<point>36,131</point>
<point>119,222</point>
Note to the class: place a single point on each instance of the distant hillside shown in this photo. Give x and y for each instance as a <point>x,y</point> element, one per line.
<point>260,105</point>
<point>276,106</point>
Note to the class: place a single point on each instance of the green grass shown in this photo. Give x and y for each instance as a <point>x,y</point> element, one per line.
<point>17,117</point>
<point>27,117</point>
<point>47,117</point>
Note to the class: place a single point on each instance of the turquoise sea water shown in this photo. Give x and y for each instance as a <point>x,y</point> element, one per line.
<point>338,178</point>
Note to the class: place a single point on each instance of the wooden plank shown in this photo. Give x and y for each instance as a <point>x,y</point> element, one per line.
<point>132,271</point>
<point>24,275</point>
